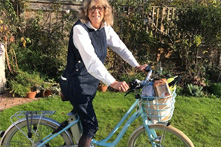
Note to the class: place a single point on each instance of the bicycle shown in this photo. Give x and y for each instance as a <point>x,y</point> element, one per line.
<point>36,130</point>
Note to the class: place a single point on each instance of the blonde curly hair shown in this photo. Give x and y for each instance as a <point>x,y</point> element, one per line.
<point>108,16</point>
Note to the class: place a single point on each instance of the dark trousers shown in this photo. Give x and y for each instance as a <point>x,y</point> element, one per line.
<point>83,106</point>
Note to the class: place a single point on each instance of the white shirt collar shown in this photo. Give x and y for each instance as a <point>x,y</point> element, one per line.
<point>89,25</point>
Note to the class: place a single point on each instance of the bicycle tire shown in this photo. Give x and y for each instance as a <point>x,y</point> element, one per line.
<point>172,137</point>
<point>15,138</point>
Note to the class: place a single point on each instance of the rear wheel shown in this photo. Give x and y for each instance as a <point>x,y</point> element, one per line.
<point>167,136</point>
<point>18,138</point>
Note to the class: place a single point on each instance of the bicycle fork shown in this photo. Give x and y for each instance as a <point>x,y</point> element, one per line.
<point>155,140</point>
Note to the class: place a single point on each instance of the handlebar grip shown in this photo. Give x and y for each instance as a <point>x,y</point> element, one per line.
<point>148,68</point>
<point>134,84</point>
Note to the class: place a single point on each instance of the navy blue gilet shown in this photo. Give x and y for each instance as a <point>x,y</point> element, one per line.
<point>79,80</point>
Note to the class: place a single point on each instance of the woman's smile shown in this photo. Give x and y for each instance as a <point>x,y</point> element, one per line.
<point>96,16</point>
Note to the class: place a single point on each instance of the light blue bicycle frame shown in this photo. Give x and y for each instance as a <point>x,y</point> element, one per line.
<point>120,135</point>
<point>151,133</point>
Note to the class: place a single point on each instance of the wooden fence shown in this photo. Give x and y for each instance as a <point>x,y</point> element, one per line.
<point>155,19</point>
<point>159,15</point>
<point>48,5</point>
<point>52,10</point>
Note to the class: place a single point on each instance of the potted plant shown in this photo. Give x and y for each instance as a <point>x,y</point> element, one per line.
<point>45,89</point>
<point>49,88</point>
<point>25,84</point>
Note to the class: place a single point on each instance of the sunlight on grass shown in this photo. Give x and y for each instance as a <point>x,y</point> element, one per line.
<point>198,118</point>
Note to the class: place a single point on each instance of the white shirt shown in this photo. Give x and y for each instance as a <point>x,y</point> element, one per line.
<point>92,63</point>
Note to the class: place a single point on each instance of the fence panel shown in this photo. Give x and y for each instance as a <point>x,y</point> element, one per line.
<point>158,17</point>
<point>155,19</point>
<point>47,5</point>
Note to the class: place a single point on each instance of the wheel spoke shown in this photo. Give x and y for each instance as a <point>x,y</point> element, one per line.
<point>15,137</point>
<point>167,136</point>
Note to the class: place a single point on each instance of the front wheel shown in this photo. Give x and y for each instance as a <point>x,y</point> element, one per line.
<point>166,136</point>
<point>17,136</point>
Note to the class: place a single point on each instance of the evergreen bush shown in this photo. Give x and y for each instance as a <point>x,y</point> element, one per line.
<point>215,89</point>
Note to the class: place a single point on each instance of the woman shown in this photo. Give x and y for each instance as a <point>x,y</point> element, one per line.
<point>89,39</point>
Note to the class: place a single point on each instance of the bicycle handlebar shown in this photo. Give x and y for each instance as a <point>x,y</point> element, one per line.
<point>137,84</point>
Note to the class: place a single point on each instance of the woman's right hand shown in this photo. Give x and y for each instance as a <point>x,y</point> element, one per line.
<point>121,86</point>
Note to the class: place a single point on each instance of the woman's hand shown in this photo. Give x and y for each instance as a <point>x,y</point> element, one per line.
<point>121,86</point>
<point>141,67</point>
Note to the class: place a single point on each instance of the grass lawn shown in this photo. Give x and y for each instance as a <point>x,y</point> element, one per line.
<point>198,118</point>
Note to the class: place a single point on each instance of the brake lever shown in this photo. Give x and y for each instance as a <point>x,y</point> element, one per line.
<point>135,84</point>
<point>129,91</point>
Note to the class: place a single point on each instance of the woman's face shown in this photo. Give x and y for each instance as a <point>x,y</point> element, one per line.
<point>96,15</point>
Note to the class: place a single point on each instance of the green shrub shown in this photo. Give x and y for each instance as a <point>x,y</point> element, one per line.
<point>24,82</point>
<point>215,88</point>
<point>195,90</point>
<point>18,89</point>
<point>130,77</point>
<point>34,42</point>
<point>179,90</point>
<point>196,35</point>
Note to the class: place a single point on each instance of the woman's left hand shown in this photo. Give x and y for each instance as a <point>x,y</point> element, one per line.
<point>141,67</point>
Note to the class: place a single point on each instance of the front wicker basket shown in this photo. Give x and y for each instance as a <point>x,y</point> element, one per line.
<point>159,109</point>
